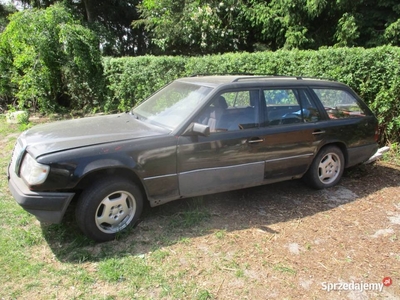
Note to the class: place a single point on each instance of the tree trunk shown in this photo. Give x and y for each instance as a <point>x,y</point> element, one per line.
<point>89,10</point>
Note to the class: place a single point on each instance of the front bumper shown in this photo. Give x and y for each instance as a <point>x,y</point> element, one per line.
<point>48,207</point>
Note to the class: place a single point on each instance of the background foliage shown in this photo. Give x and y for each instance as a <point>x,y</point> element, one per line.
<point>194,27</point>
<point>109,19</point>
<point>48,61</point>
<point>132,79</point>
<point>52,52</point>
<point>5,11</point>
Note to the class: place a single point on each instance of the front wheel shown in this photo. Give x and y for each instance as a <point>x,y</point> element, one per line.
<point>107,207</point>
<point>327,168</point>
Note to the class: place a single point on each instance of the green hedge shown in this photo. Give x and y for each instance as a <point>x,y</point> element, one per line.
<point>373,73</point>
<point>132,79</point>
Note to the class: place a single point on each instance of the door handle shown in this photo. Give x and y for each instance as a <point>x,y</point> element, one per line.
<point>316,132</point>
<point>255,141</point>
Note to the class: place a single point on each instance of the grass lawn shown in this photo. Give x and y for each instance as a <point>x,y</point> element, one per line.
<point>281,241</point>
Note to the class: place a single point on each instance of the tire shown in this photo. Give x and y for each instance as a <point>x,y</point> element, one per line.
<point>327,168</point>
<point>108,207</point>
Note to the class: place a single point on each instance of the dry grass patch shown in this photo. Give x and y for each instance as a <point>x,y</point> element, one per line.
<point>280,241</point>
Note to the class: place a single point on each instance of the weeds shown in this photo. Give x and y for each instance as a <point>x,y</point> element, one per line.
<point>284,269</point>
<point>19,117</point>
<point>220,234</point>
<point>393,155</point>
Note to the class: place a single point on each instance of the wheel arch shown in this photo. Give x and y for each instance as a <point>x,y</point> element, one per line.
<point>326,175</point>
<point>117,171</point>
<point>342,148</point>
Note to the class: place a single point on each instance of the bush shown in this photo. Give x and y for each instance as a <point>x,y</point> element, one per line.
<point>373,73</point>
<point>48,61</point>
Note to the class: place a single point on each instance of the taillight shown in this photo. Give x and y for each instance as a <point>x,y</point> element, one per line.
<point>376,136</point>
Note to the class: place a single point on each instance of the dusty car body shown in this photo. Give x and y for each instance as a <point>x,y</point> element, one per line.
<point>196,136</point>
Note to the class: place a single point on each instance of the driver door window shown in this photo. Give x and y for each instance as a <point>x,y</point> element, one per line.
<point>237,110</point>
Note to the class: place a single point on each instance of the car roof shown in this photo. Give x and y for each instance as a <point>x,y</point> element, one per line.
<point>213,80</point>
<point>217,80</point>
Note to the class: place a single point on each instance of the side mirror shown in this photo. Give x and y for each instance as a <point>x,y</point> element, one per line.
<point>197,129</point>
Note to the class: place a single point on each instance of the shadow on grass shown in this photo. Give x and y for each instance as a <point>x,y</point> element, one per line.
<point>182,220</point>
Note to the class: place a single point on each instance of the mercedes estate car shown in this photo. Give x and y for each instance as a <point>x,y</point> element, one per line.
<point>198,135</point>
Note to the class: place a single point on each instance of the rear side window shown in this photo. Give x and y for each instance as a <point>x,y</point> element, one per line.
<point>280,97</point>
<point>339,104</point>
<point>288,106</point>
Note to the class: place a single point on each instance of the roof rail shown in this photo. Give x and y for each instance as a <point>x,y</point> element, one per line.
<point>285,76</point>
<point>223,74</point>
<point>266,77</point>
<point>243,76</point>
<point>314,77</point>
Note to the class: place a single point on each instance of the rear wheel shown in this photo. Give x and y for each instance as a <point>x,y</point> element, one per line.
<point>107,207</point>
<point>327,168</point>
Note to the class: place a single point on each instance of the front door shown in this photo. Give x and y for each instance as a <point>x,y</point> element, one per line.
<point>229,157</point>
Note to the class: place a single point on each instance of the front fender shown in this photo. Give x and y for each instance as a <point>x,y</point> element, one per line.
<point>149,160</point>
<point>68,169</point>
<point>100,163</point>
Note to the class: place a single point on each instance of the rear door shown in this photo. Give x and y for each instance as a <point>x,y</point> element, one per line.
<point>291,133</point>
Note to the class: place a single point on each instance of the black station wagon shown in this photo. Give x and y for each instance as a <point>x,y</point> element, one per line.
<point>196,136</point>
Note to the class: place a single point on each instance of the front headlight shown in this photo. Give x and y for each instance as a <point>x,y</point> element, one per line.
<point>33,172</point>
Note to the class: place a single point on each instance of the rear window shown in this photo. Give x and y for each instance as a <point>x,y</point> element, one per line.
<point>339,104</point>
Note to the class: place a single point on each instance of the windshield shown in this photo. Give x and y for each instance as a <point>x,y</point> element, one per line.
<point>173,104</point>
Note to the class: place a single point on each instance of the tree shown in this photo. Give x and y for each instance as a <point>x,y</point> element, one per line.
<point>198,27</point>
<point>315,23</point>
<point>193,27</point>
<point>49,60</point>
<point>5,11</point>
<point>347,31</point>
<point>110,19</point>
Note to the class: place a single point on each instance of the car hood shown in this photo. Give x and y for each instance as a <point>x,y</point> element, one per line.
<point>63,135</point>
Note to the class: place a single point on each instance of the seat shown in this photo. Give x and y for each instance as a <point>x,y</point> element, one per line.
<point>217,109</point>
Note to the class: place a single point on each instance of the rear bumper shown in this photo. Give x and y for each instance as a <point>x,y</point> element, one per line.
<point>358,155</point>
<point>48,207</point>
